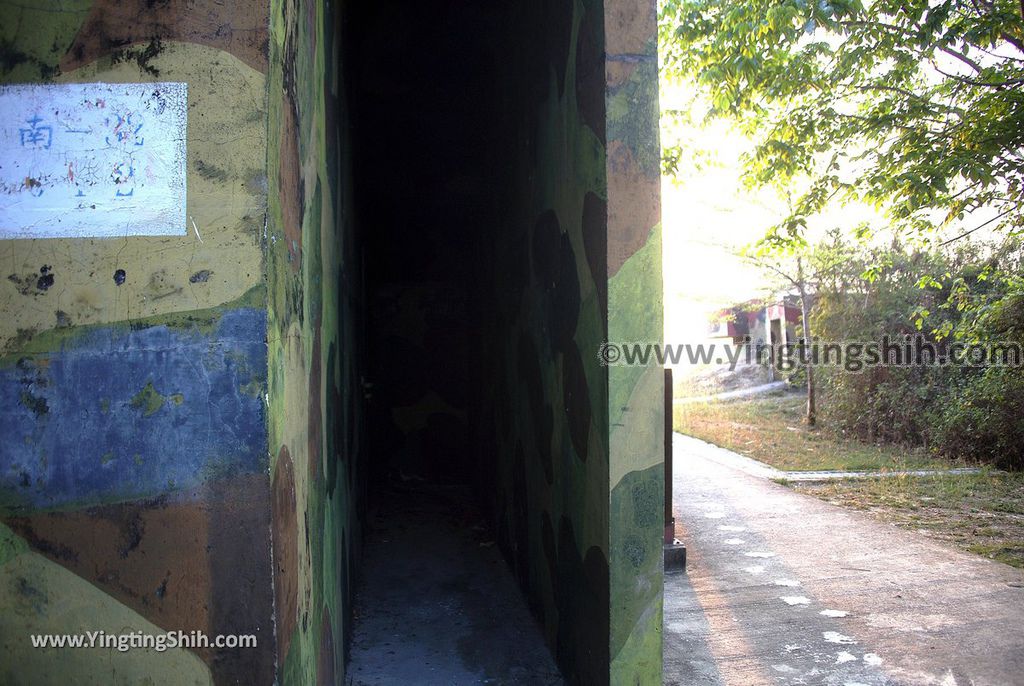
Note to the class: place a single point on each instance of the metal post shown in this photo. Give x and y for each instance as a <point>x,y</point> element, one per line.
<point>675,551</point>
<point>670,520</point>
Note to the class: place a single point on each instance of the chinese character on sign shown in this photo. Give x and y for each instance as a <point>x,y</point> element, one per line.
<point>123,176</point>
<point>36,136</point>
<point>126,130</point>
<point>34,186</point>
<point>92,160</point>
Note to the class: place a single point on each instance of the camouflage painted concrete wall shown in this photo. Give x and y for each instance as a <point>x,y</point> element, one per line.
<point>180,430</point>
<point>134,487</point>
<point>635,310</point>
<point>577,261</point>
<point>313,332</point>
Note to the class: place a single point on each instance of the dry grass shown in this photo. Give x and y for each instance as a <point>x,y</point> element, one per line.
<point>771,429</point>
<point>981,513</point>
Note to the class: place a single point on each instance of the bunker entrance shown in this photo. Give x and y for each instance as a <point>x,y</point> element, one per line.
<point>427,91</point>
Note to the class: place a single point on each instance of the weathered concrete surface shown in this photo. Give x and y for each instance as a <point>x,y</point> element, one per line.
<point>134,480</point>
<point>688,658</point>
<point>773,573</point>
<point>437,604</point>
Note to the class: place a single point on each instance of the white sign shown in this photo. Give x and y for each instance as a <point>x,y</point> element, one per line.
<point>92,160</point>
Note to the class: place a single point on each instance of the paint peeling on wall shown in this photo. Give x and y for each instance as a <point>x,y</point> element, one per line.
<point>133,370</point>
<point>92,160</point>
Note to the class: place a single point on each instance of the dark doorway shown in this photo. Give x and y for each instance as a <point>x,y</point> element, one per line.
<point>425,91</point>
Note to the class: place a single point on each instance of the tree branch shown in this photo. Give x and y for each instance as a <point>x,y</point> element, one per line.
<point>965,234</point>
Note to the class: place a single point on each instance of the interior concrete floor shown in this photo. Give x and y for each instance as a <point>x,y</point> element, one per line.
<point>437,604</point>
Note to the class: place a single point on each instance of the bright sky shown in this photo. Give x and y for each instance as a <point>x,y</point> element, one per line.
<point>708,216</point>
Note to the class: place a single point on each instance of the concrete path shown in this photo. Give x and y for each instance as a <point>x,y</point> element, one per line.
<point>732,395</point>
<point>754,467</point>
<point>782,588</point>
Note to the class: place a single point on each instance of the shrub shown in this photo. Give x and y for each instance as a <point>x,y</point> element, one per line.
<point>980,419</point>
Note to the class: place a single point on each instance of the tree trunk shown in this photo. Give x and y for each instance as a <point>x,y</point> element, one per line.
<point>812,410</point>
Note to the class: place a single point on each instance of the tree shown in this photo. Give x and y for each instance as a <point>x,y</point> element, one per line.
<point>915,106</point>
<point>793,273</point>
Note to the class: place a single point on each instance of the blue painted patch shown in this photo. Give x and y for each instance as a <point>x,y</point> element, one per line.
<point>70,433</point>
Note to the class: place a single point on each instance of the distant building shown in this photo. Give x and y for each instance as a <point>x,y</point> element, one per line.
<point>777,323</point>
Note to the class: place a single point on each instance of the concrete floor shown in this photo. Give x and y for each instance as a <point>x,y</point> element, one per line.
<point>782,588</point>
<point>437,604</point>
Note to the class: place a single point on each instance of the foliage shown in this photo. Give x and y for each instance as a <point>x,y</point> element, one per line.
<point>914,106</point>
<point>959,412</point>
<point>684,151</point>
<point>980,417</point>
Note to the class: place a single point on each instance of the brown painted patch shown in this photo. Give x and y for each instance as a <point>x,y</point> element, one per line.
<point>284,523</point>
<point>292,187</point>
<point>547,235</point>
<point>239,28</point>
<point>547,532</point>
<point>325,672</point>
<point>311,24</point>
<point>150,556</point>
<point>240,569</point>
<point>618,73</point>
<point>564,297</point>
<point>577,401</point>
<point>195,561</point>
<point>582,648</point>
<point>540,411</point>
<point>630,27</point>
<point>634,205</point>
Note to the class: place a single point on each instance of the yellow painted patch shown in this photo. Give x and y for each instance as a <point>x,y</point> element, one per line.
<point>41,597</point>
<point>226,204</point>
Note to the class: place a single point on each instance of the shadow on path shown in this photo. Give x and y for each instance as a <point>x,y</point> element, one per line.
<point>782,588</point>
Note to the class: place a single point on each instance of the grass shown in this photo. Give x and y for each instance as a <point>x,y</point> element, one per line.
<point>980,513</point>
<point>770,428</point>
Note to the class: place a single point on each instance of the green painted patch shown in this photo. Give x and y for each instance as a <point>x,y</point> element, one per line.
<point>34,55</point>
<point>634,315</point>
<point>203,322</point>
<point>633,115</point>
<point>36,404</point>
<point>254,388</point>
<point>148,400</point>
<point>11,545</point>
